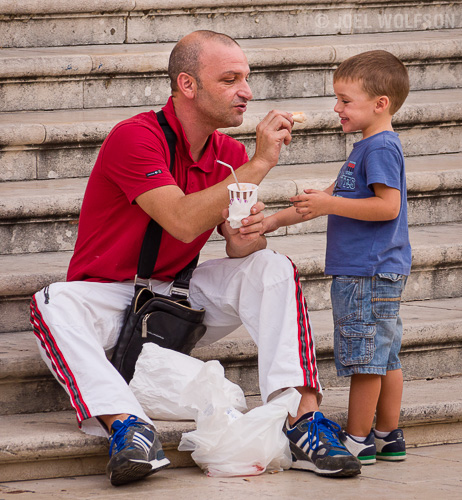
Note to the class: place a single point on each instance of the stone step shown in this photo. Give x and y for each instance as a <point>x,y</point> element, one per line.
<point>42,216</point>
<point>57,144</point>
<point>106,76</point>
<point>81,22</point>
<point>44,445</point>
<point>432,348</point>
<point>436,271</point>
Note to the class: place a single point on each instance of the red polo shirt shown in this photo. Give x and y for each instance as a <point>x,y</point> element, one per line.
<point>134,159</point>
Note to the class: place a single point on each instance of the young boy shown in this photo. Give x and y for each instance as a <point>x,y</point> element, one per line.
<point>368,251</point>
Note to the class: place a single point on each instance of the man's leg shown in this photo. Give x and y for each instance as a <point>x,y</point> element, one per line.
<point>263,290</point>
<point>75,324</point>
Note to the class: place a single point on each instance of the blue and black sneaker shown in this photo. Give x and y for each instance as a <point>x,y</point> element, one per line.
<point>135,451</point>
<point>364,450</point>
<point>392,447</point>
<point>315,447</point>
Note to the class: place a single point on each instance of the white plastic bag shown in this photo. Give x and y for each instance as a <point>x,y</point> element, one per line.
<point>229,443</point>
<point>161,379</point>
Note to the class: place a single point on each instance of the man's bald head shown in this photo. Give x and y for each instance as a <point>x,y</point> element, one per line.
<point>185,56</point>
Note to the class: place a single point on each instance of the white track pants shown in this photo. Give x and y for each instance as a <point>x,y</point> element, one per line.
<point>77,323</point>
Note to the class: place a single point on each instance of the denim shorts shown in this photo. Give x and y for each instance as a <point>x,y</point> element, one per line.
<point>367,326</point>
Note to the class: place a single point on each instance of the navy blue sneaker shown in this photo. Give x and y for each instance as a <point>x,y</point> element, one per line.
<point>135,451</point>
<point>365,451</point>
<point>392,447</point>
<point>315,447</point>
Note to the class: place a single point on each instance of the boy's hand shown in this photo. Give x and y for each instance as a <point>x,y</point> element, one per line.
<point>312,203</point>
<point>269,225</point>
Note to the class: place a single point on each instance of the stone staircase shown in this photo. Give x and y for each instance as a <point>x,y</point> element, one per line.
<point>69,71</point>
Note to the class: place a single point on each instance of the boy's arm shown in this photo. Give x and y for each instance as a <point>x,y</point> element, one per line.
<point>285,217</point>
<point>385,205</point>
<point>288,216</point>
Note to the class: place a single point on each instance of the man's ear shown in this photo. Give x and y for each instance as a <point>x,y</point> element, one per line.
<point>187,85</point>
<point>382,103</point>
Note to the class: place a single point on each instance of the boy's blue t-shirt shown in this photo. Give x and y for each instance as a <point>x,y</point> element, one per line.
<point>364,248</point>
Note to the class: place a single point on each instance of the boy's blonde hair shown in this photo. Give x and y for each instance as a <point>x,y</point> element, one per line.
<point>380,73</point>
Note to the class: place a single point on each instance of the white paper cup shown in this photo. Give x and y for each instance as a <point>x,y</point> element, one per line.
<point>240,202</point>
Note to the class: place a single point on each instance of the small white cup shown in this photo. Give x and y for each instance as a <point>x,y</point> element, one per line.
<point>240,202</point>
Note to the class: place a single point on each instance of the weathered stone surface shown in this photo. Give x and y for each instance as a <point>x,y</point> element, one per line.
<point>32,237</point>
<point>75,160</point>
<point>27,25</point>
<point>53,439</point>
<point>17,164</point>
<point>58,30</point>
<point>436,272</point>
<point>432,348</point>
<point>44,95</point>
<point>428,123</point>
<point>292,21</point>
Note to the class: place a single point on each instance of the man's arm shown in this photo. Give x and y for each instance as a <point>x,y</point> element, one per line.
<point>185,217</point>
<point>385,205</point>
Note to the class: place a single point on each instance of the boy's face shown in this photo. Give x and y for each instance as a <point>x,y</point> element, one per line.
<point>356,109</point>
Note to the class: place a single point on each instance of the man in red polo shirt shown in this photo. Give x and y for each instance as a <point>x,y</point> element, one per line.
<point>77,322</point>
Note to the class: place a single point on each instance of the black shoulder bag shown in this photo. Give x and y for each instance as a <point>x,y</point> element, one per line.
<point>168,321</point>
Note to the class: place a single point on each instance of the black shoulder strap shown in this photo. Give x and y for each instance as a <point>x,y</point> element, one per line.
<point>153,235</point>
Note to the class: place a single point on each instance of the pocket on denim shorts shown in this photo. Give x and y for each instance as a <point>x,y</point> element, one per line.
<point>344,298</point>
<point>387,289</point>
<point>357,343</point>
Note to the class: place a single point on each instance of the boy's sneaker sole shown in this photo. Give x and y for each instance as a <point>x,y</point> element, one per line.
<point>133,470</point>
<point>392,457</point>
<point>367,460</point>
<point>348,470</point>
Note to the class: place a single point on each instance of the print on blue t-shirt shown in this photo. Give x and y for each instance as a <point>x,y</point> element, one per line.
<point>364,248</point>
<point>346,179</point>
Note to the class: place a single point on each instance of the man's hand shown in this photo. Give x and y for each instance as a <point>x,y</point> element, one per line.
<point>248,238</point>
<point>269,224</point>
<point>272,132</point>
<point>312,203</point>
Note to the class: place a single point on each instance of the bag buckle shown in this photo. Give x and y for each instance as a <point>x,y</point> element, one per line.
<point>179,291</point>
<point>143,281</point>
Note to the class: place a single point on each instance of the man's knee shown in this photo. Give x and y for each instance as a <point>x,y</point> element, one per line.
<point>270,267</point>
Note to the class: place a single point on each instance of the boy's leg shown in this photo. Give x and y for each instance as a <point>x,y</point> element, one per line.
<point>364,394</point>
<point>367,340</point>
<point>389,439</point>
<point>389,403</point>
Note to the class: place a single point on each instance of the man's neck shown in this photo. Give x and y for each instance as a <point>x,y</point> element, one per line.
<point>194,130</point>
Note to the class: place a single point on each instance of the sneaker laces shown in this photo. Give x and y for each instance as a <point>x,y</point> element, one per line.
<point>119,431</point>
<point>328,427</point>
